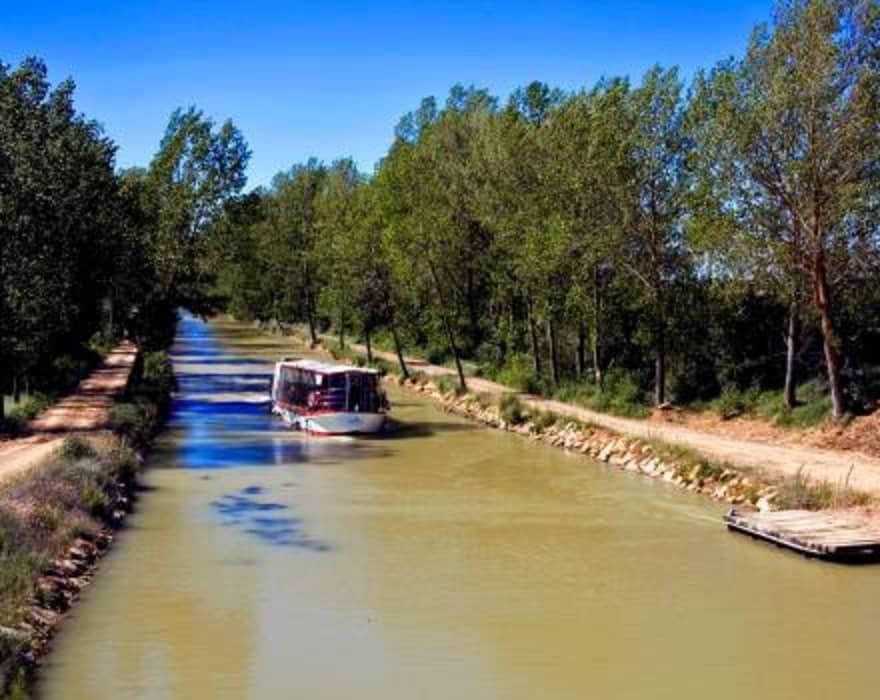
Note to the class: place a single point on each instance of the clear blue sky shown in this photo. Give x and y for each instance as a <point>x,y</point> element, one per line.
<point>331,79</point>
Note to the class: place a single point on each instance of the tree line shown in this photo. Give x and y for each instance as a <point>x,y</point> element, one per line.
<point>685,237</point>
<point>89,253</point>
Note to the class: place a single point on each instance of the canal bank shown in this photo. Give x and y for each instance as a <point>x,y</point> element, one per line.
<point>446,560</point>
<point>59,516</point>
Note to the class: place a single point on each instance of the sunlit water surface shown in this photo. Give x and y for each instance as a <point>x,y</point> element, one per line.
<point>443,561</point>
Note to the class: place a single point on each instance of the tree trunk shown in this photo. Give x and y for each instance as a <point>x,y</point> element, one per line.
<point>342,329</point>
<point>582,352</point>
<point>312,333</point>
<point>791,341</point>
<point>310,317</point>
<point>368,344</point>
<point>533,334</point>
<point>447,325</point>
<point>16,389</point>
<point>397,349</point>
<point>831,342</point>
<point>660,365</point>
<point>597,327</point>
<point>554,357</point>
<point>454,347</point>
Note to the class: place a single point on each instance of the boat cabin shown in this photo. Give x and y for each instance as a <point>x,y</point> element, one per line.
<point>309,386</point>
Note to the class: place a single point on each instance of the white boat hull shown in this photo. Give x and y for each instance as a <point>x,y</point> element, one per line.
<point>341,423</point>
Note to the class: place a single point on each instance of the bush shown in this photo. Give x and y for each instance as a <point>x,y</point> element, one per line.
<point>511,410</point>
<point>519,374</point>
<point>447,384</point>
<point>30,407</point>
<point>544,419</point>
<point>159,372</point>
<point>620,396</point>
<point>125,418</point>
<point>733,402</point>
<point>806,415</point>
<point>74,448</point>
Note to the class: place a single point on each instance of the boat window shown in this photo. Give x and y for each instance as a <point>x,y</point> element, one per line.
<point>336,381</point>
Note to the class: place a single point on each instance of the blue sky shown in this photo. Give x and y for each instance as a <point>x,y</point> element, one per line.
<point>331,79</point>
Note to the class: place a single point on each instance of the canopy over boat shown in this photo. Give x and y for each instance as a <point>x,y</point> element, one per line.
<point>324,367</point>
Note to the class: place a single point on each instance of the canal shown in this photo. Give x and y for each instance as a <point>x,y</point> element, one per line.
<point>443,561</point>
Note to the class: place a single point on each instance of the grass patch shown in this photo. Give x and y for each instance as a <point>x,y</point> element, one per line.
<point>542,420</point>
<point>518,373</point>
<point>72,495</point>
<point>621,396</point>
<point>814,405</point>
<point>449,385</point>
<point>141,410</point>
<point>19,414</point>
<point>802,493</point>
<point>44,510</point>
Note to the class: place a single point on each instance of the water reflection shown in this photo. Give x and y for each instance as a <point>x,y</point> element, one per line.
<point>247,512</point>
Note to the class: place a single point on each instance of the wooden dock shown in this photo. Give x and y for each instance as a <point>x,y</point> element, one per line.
<point>845,537</point>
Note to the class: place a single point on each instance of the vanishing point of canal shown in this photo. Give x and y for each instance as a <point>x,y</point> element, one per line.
<point>443,561</point>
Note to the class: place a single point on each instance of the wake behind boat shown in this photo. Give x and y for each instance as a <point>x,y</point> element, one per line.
<point>328,399</point>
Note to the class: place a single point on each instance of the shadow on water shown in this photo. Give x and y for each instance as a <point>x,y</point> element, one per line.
<point>244,510</point>
<point>397,430</point>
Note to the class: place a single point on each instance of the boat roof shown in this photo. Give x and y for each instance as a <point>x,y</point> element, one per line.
<point>324,367</point>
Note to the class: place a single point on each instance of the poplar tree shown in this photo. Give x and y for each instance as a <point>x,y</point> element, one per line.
<point>796,122</point>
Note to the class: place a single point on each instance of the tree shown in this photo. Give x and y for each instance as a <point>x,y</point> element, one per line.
<point>653,246</point>
<point>57,190</point>
<point>197,169</point>
<point>797,121</point>
<point>338,219</point>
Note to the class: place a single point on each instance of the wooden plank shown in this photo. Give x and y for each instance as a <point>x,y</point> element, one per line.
<point>831,536</point>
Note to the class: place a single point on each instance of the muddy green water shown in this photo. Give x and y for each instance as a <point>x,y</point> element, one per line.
<point>447,561</point>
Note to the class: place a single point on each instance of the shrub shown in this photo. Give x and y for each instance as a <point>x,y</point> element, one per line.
<point>74,448</point>
<point>801,492</point>
<point>31,406</point>
<point>511,410</point>
<point>125,418</point>
<point>621,396</point>
<point>447,384</point>
<point>519,373</point>
<point>158,372</point>
<point>731,403</point>
<point>544,419</point>
<point>806,415</point>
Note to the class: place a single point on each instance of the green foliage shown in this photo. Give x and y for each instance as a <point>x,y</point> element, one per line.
<point>644,236</point>
<point>544,419</point>
<point>86,253</point>
<point>621,396</point>
<point>511,410</point>
<point>813,408</point>
<point>74,448</point>
<point>734,402</point>
<point>142,409</point>
<point>448,385</point>
<point>519,373</point>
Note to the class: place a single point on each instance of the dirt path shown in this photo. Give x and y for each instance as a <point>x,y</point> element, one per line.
<point>824,464</point>
<point>86,410</point>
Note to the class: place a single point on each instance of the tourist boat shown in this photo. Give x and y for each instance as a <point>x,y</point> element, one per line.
<point>328,399</point>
